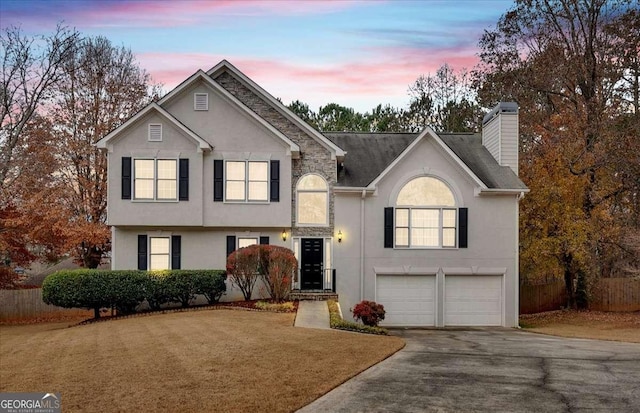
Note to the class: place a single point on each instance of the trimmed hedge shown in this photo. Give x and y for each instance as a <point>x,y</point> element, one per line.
<point>126,290</point>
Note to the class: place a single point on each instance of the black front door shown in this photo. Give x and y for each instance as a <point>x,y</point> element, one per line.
<point>311,263</point>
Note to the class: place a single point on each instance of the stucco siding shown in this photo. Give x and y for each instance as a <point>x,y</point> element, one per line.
<point>201,249</point>
<point>491,231</point>
<point>315,158</point>
<point>174,145</point>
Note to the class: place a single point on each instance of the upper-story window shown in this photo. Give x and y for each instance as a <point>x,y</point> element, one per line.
<point>425,215</point>
<point>247,181</point>
<point>312,204</point>
<point>155,179</point>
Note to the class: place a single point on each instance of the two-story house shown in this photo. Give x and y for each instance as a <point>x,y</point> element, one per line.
<point>425,224</point>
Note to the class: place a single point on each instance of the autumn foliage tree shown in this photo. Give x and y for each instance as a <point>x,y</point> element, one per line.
<point>61,94</point>
<point>572,66</point>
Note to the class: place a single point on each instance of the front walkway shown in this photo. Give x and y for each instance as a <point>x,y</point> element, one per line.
<point>312,314</point>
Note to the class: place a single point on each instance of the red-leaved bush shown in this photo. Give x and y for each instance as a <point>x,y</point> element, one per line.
<point>369,312</point>
<point>279,268</point>
<point>276,265</point>
<point>243,268</point>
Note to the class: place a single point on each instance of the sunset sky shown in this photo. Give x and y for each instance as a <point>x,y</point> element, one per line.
<point>356,53</point>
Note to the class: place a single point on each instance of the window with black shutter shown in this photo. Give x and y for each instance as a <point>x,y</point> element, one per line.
<point>275,181</point>
<point>176,246</point>
<point>183,180</point>
<point>142,252</point>
<point>126,177</point>
<point>218,180</point>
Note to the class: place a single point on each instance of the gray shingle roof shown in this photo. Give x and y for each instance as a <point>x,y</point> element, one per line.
<point>469,149</point>
<point>368,154</point>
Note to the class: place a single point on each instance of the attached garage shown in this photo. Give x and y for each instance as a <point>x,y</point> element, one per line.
<point>452,300</point>
<point>409,300</point>
<point>473,300</point>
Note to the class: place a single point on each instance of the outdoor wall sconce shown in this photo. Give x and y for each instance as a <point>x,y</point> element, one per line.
<point>284,235</point>
<point>339,236</point>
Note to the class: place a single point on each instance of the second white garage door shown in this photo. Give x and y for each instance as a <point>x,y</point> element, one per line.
<point>408,300</point>
<point>472,300</point>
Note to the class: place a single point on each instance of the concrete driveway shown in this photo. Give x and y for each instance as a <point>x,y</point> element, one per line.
<point>494,370</point>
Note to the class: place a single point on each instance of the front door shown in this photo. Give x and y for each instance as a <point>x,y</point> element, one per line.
<point>311,263</point>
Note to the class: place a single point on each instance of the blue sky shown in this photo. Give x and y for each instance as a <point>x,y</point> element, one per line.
<point>356,53</point>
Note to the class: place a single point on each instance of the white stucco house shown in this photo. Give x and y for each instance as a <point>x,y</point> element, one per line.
<point>426,224</point>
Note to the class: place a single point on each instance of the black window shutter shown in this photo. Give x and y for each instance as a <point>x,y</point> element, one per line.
<point>388,227</point>
<point>462,231</point>
<point>126,177</point>
<point>264,240</point>
<point>218,180</point>
<point>231,244</point>
<point>176,244</point>
<point>142,252</point>
<point>183,181</point>
<point>275,181</point>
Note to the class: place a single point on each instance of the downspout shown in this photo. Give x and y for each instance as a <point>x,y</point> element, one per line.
<point>364,194</point>
<point>517,268</point>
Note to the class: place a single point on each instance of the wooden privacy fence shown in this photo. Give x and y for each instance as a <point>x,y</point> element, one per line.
<point>543,297</point>
<point>616,294</point>
<point>27,304</point>
<point>607,294</point>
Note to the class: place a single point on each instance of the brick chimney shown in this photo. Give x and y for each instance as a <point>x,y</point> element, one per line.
<point>500,134</point>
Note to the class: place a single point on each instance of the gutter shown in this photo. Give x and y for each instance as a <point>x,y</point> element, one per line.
<point>499,191</point>
<point>352,189</point>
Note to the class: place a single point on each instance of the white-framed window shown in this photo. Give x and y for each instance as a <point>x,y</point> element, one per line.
<point>155,132</point>
<point>247,181</point>
<point>425,215</point>
<point>155,179</point>
<point>201,101</point>
<point>159,253</point>
<point>312,206</point>
<point>246,241</point>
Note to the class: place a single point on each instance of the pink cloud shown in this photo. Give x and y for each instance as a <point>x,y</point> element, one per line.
<point>382,77</point>
<point>164,13</point>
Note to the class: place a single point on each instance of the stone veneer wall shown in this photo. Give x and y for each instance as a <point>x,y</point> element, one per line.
<point>314,158</point>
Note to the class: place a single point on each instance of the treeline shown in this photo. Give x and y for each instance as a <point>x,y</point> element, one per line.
<point>445,101</point>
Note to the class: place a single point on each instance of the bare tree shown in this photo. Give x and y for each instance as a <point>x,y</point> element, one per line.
<point>31,66</point>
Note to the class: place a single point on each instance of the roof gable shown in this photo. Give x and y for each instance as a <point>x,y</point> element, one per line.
<point>371,156</point>
<point>222,92</point>
<point>107,141</point>
<point>225,66</point>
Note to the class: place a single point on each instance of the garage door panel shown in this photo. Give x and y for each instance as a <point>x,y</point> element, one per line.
<point>473,300</point>
<point>407,300</point>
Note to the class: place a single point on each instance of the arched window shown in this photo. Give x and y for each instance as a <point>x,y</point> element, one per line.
<point>312,200</point>
<point>425,215</point>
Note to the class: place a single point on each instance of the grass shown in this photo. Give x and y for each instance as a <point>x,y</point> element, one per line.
<point>336,322</point>
<point>585,324</point>
<point>219,360</point>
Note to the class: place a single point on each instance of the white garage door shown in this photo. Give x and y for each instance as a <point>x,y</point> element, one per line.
<point>408,300</point>
<point>473,300</point>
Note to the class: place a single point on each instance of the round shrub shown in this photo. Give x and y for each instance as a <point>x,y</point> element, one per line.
<point>369,312</point>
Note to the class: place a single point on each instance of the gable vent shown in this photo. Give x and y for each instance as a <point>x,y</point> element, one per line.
<point>155,132</point>
<point>201,101</point>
